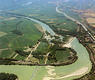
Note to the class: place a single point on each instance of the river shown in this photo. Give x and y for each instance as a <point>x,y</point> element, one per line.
<point>68,72</point>
<point>44,26</point>
<point>81,67</point>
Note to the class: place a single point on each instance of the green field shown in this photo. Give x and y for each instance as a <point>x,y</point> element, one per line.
<point>43,48</point>
<point>62,55</point>
<point>48,14</point>
<point>17,34</point>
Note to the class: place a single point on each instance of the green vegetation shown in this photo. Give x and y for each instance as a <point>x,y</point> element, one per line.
<point>20,33</point>
<point>48,14</point>
<point>60,55</point>
<point>63,55</point>
<point>23,33</point>
<point>7,76</point>
<point>41,51</point>
<point>43,48</point>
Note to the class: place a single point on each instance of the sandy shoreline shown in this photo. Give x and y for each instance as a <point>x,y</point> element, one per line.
<point>76,73</point>
<point>51,73</point>
<point>68,44</point>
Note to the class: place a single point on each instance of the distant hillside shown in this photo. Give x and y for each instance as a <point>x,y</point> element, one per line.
<point>80,4</point>
<point>5,4</point>
<point>14,4</point>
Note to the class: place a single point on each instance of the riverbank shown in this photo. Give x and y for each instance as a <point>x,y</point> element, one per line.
<point>29,63</point>
<point>51,72</point>
<point>68,43</point>
<point>91,74</point>
<point>76,73</point>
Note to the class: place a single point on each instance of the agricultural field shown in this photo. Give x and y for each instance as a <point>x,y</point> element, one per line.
<point>48,14</point>
<point>21,34</point>
<point>59,55</point>
<point>16,34</point>
<point>88,15</point>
